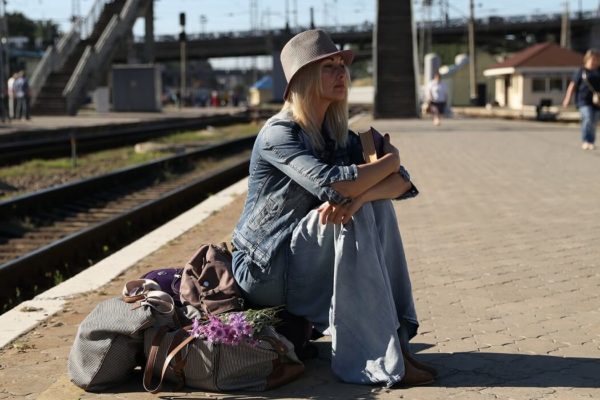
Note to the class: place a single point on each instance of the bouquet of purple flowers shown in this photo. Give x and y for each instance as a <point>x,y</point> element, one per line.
<point>235,327</point>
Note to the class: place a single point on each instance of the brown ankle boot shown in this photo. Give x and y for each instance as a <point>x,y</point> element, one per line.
<point>414,376</point>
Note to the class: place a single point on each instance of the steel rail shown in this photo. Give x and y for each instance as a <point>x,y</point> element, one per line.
<point>54,143</point>
<point>72,253</point>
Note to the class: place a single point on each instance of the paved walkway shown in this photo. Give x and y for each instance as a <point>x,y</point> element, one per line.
<point>502,248</point>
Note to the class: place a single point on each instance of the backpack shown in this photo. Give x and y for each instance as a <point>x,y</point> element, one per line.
<point>207,282</point>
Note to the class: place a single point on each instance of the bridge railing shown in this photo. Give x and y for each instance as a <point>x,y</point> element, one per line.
<point>508,20</point>
<point>259,32</point>
<point>53,60</point>
<point>55,56</point>
<point>96,57</point>
<point>90,20</point>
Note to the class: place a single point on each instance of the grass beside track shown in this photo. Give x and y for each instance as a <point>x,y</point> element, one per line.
<point>39,174</point>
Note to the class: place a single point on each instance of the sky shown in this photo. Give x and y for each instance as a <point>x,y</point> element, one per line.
<point>235,15</point>
<point>231,15</point>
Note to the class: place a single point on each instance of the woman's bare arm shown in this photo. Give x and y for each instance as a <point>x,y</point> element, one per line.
<point>371,174</point>
<point>391,187</point>
<point>569,94</point>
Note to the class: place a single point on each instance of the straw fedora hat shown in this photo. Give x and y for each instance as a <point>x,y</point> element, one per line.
<point>306,48</point>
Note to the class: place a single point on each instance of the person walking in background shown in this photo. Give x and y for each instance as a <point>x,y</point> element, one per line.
<point>21,88</point>
<point>436,95</point>
<point>312,203</point>
<point>584,83</point>
<point>11,95</point>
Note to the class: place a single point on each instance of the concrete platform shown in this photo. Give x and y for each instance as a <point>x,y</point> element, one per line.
<point>85,118</point>
<point>502,245</point>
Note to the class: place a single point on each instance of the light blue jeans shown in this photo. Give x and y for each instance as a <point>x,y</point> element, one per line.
<point>589,121</point>
<point>350,279</point>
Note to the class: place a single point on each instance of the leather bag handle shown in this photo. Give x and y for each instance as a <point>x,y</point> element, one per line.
<point>182,339</point>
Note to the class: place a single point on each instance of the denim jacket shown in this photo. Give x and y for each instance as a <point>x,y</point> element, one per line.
<point>288,178</point>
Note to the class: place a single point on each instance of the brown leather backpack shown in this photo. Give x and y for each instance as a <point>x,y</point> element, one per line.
<point>207,282</point>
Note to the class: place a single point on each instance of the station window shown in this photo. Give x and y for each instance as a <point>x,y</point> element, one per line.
<point>556,84</point>
<point>538,84</point>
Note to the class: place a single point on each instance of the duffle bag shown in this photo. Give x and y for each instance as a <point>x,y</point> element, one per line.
<point>109,343</point>
<point>182,359</point>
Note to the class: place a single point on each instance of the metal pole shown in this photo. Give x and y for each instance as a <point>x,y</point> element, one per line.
<point>182,89</point>
<point>182,44</point>
<point>4,61</point>
<point>564,28</point>
<point>296,14</point>
<point>472,61</point>
<point>287,15</point>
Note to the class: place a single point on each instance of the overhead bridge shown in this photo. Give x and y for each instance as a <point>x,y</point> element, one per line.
<point>492,33</point>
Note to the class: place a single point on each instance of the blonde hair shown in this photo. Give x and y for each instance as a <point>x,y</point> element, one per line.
<point>304,92</point>
<point>589,54</point>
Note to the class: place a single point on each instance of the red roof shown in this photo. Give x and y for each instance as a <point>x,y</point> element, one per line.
<point>542,55</point>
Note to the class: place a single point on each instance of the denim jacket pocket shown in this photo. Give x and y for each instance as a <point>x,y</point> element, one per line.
<point>267,212</point>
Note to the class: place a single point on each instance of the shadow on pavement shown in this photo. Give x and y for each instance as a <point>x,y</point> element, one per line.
<point>456,370</point>
<point>477,369</point>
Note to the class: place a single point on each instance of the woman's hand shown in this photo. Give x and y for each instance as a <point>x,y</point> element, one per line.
<point>338,213</point>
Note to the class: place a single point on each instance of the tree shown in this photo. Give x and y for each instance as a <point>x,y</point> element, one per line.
<point>44,32</point>
<point>393,62</point>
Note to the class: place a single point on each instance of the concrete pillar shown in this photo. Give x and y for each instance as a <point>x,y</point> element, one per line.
<point>279,81</point>
<point>130,46</point>
<point>394,61</point>
<point>149,32</point>
<point>594,38</point>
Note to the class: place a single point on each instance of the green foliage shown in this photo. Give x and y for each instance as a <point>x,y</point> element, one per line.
<point>20,25</point>
<point>58,277</point>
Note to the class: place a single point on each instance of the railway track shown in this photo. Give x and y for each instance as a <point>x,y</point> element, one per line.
<point>54,143</point>
<point>52,234</point>
<point>55,233</point>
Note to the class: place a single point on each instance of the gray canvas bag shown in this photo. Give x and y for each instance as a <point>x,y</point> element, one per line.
<point>110,341</point>
<point>196,363</point>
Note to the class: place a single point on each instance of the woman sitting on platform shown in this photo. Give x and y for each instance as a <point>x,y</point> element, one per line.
<point>319,234</point>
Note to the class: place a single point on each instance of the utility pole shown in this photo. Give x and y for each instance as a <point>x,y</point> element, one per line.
<point>203,21</point>
<point>565,29</point>
<point>4,61</point>
<point>287,15</point>
<point>472,62</point>
<point>182,44</point>
<point>75,10</point>
<point>296,14</point>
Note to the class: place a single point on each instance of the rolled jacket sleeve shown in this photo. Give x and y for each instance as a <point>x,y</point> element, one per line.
<point>280,145</point>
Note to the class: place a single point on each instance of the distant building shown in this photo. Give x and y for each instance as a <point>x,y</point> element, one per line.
<point>539,72</point>
<point>458,83</point>
<point>262,91</point>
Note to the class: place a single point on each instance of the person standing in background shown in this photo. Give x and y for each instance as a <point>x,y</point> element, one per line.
<point>584,83</point>
<point>21,89</point>
<point>437,95</point>
<point>11,95</point>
